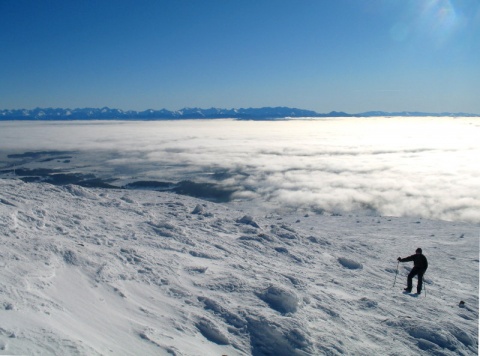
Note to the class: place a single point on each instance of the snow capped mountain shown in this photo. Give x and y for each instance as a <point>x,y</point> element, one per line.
<point>131,272</point>
<point>192,113</point>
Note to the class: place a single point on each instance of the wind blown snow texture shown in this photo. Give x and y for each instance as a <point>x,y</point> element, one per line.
<point>115,272</point>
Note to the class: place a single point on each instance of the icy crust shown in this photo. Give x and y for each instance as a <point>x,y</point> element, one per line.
<point>115,272</point>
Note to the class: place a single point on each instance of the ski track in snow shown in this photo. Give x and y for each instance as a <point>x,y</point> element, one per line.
<point>115,272</point>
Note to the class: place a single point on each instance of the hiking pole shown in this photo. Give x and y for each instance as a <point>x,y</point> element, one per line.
<point>425,286</point>
<point>396,272</point>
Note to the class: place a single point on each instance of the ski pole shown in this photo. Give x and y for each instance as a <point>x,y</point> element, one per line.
<point>396,272</point>
<point>425,286</point>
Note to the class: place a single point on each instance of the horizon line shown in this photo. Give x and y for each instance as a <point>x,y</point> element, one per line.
<point>131,111</point>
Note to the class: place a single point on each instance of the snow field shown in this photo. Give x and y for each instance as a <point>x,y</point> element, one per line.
<point>116,272</point>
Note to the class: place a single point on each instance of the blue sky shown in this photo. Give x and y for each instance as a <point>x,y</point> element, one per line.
<point>322,55</point>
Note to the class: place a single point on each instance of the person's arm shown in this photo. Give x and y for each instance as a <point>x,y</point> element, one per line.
<point>406,259</point>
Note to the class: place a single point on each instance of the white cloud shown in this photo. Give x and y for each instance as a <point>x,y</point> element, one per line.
<point>405,166</point>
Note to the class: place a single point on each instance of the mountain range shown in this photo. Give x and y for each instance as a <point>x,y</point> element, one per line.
<point>264,113</point>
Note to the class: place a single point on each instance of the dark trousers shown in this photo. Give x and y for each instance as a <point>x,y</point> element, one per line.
<point>415,272</point>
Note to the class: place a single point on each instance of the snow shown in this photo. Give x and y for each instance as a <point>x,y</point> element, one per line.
<point>87,271</point>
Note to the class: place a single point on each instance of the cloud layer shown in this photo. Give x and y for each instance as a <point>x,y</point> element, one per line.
<point>426,167</point>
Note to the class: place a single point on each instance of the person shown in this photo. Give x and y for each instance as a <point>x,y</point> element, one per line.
<point>420,265</point>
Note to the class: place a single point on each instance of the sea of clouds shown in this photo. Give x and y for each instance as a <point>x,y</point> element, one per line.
<point>425,167</point>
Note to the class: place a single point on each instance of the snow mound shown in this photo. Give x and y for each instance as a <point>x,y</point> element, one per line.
<point>248,220</point>
<point>434,338</point>
<point>199,209</point>
<point>350,264</point>
<point>269,337</point>
<point>80,192</point>
<point>211,331</point>
<point>280,299</point>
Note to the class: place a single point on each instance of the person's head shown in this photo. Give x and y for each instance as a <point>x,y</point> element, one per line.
<point>418,250</point>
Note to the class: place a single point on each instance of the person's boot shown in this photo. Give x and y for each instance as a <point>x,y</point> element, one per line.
<point>407,290</point>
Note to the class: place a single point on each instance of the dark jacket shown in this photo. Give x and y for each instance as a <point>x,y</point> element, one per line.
<point>419,261</point>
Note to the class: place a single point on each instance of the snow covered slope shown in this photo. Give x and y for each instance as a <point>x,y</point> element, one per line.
<point>116,272</point>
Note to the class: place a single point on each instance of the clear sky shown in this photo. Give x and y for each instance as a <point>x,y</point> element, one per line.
<point>323,55</point>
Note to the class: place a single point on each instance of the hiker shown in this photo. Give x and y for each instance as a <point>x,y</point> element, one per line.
<point>420,265</point>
